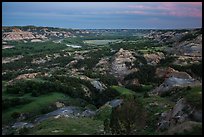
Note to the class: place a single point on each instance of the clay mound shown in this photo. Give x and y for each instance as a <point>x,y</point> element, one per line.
<point>119,67</point>
<point>170,72</point>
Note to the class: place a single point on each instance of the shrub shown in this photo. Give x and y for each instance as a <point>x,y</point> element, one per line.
<point>167,61</point>
<point>15,115</point>
<point>11,102</point>
<point>146,95</point>
<point>192,68</point>
<point>146,75</point>
<point>106,95</point>
<point>188,36</point>
<point>194,97</point>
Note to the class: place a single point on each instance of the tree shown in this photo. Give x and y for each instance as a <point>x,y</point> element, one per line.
<point>128,119</point>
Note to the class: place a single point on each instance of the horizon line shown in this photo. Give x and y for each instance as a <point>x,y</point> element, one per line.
<point>100,28</point>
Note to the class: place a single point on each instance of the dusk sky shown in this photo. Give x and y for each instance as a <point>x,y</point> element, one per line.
<point>111,15</point>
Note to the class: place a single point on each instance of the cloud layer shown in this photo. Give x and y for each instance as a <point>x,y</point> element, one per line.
<point>104,14</point>
<point>180,9</point>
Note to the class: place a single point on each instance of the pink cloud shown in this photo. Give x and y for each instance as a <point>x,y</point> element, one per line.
<point>191,3</point>
<point>179,9</point>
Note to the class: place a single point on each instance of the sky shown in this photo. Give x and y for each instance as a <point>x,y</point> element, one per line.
<point>104,15</point>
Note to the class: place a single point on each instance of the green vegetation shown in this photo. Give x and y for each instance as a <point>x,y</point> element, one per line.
<point>12,102</point>
<point>100,42</point>
<point>93,58</point>
<point>148,50</point>
<point>67,85</point>
<point>34,107</point>
<point>188,37</point>
<point>139,112</point>
<point>67,126</point>
<point>155,105</point>
<point>105,78</point>
<point>103,37</point>
<point>139,60</point>
<point>167,61</point>
<point>74,41</point>
<point>194,97</point>
<point>141,88</point>
<point>129,119</point>
<point>107,95</point>
<point>196,130</point>
<point>186,128</point>
<point>104,113</point>
<point>34,87</point>
<point>123,91</point>
<point>69,101</point>
<point>33,48</point>
<point>145,75</point>
<point>195,68</point>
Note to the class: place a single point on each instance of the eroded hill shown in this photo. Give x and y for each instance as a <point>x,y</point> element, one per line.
<point>101,81</point>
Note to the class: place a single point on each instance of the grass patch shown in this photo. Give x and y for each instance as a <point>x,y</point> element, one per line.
<point>140,89</point>
<point>67,126</point>
<point>124,92</point>
<point>34,107</point>
<point>148,50</point>
<point>194,97</point>
<point>4,84</point>
<point>104,113</point>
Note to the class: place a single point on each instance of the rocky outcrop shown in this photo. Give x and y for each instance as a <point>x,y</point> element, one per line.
<point>122,64</point>
<point>173,79</point>
<point>186,45</point>
<point>98,85</point>
<point>13,33</point>
<point>86,90</point>
<point>27,76</point>
<point>114,103</point>
<point>36,40</point>
<point>188,51</point>
<point>7,47</point>
<point>187,126</point>
<point>174,116</point>
<point>174,82</point>
<point>132,82</point>
<point>43,60</point>
<point>69,111</point>
<point>11,59</point>
<point>190,48</point>
<point>154,58</point>
<point>88,113</point>
<point>59,104</point>
<point>72,63</point>
<point>170,72</point>
<point>103,65</point>
<point>17,35</point>
<point>196,115</point>
<point>19,125</point>
<point>180,113</point>
<point>186,60</point>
